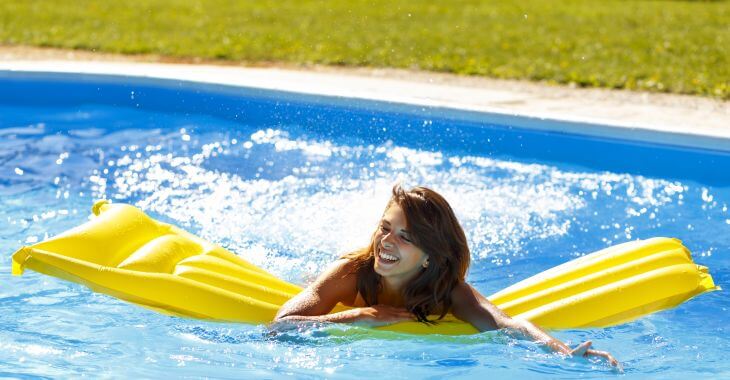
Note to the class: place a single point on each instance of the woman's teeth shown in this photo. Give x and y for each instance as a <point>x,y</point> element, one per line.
<point>388,257</point>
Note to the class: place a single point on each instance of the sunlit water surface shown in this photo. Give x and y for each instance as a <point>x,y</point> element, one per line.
<point>292,202</point>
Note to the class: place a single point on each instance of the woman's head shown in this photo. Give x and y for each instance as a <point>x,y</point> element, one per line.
<point>420,246</point>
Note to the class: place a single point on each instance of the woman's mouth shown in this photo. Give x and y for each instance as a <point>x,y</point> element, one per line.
<point>387,258</point>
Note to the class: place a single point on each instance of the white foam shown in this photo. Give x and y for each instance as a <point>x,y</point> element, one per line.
<point>335,194</point>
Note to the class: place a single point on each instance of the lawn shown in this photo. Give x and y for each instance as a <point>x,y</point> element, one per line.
<point>662,46</point>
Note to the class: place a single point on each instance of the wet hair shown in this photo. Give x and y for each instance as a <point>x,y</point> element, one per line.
<point>434,229</point>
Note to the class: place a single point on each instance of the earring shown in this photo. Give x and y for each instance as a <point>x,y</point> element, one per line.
<point>425,264</point>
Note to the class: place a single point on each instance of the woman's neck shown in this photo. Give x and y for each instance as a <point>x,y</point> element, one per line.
<point>391,293</point>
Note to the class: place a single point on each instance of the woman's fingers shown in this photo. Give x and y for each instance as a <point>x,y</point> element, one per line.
<point>401,313</point>
<point>582,349</point>
<point>391,313</point>
<point>379,315</point>
<point>603,354</point>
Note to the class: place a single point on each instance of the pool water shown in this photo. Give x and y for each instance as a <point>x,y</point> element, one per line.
<point>291,198</point>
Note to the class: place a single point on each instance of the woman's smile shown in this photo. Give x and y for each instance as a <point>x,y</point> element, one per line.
<point>386,258</point>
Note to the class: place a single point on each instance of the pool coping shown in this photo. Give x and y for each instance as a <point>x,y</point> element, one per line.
<point>706,126</point>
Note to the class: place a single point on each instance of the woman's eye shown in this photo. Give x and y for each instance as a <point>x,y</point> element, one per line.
<point>384,228</point>
<point>405,239</point>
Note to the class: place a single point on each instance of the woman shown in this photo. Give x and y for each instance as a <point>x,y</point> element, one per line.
<point>414,267</point>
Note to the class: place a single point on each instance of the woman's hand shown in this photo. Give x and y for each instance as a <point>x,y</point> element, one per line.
<point>584,350</point>
<point>377,315</point>
<point>380,315</point>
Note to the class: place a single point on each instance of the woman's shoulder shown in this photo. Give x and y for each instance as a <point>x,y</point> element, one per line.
<point>339,280</point>
<point>463,294</point>
<point>343,268</point>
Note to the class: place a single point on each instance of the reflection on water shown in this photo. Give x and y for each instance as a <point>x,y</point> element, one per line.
<point>292,202</point>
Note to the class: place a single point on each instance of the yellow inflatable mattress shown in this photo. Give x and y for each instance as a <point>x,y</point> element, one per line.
<point>125,253</point>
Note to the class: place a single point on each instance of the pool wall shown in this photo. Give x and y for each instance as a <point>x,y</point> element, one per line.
<point>419,126</point>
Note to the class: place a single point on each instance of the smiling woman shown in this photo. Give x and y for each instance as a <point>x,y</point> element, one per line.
<point>415,266</point>
<point>418,229</point>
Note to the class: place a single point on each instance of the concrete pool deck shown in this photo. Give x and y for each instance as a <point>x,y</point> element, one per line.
<point>673,119</point>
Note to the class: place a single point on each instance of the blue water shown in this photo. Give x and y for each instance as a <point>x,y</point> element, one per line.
<point>292,195</point>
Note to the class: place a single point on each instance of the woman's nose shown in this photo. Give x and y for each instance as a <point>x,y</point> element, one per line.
<point>387,240</point>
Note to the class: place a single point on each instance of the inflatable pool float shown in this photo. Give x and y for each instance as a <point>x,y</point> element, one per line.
<point>125,253</point>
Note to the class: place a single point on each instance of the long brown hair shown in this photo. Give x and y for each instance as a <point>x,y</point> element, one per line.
<point>434,229</point>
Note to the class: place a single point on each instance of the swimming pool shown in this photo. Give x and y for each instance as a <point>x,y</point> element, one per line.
<point>291,181</point>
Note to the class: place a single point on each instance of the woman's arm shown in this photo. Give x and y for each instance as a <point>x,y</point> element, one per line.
<point>470,306</point>
<point>336,285</point>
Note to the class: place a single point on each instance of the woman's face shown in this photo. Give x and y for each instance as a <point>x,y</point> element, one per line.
<point>396,258</point>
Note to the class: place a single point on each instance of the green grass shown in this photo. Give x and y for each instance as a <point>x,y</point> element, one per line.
<point>663,46</point>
